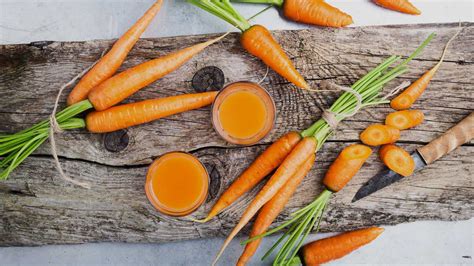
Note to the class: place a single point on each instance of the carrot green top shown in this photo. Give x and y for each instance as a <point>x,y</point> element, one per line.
<point>224,10</point>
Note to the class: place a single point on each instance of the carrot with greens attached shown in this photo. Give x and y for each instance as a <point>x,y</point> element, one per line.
<point>409,96</point>
<point>405,119</point>
<point>132,114</point>
<point>272,209</point>
<point>335,247</point>
<point>403,6</point>
<point>315,12</point>
<point>377,134</point>
<point>347,164</point>
<point>397,159</point>
<point>256,39</point>
<point>298,156</point>
<point>112,60</point>
<point>265,163</point>
<point>126,83</point>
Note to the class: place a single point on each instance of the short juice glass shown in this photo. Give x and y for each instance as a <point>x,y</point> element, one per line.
<point>243,113</point>
<point>177,183</point>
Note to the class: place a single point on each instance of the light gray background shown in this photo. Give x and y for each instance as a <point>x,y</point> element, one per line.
<point>23,21</point>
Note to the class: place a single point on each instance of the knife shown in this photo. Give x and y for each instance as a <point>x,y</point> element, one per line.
<point>456,136</point>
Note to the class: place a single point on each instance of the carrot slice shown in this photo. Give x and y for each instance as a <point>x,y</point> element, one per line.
<point>377,134</point>
<point>316,12</point>
<point>405,119</point>
<point>346,166</point>
<point>112,60</point>
<point>272,209</point>
<point>265,163</point>
<point>397,159</point>
<point>132,114</point>
<point>331,248</point>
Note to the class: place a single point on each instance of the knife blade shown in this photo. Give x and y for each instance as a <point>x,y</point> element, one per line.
<point>453,138</point>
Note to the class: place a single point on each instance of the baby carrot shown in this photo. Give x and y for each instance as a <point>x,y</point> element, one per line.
<point>405,119</point>
<point>397,159</point>
<point>258,41</point>
<point>409,96</point>
<point>346,166</point>
<point>331,248</point>
<point>270,159</point>
<point>124,84</point>
<point>112,60</point>
<point>403,6</point>
<point>316,12</point>
<point>285,171</point>
<point>272,209</point>
<point>132,114</point>
<point>377,134</point>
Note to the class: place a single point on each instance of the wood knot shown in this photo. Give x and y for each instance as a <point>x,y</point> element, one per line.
<point>208,78</point>
<point>40,44</point>
<point>116,141</point>
<point>214,181</point>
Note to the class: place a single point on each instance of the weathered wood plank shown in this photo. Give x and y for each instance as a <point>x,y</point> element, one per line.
<point>38,208</point>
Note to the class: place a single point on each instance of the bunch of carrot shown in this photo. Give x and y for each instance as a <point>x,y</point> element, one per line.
<point>393,156</point>
<point>101,89</point>
<point>292,156</point>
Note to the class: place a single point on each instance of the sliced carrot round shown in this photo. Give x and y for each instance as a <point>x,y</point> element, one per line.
<point>378,134</point>
<point>405,119</point>
<point>397,159</point>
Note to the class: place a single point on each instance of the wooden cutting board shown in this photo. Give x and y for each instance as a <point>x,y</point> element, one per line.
<point>38,208</point>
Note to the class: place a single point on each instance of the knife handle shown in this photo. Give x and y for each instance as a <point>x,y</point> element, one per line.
<point>453,138</point>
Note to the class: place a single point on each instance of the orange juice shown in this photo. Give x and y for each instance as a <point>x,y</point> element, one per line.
<point>243,113</point>
<point>177,183</point>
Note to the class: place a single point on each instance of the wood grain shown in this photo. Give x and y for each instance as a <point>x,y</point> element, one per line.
<point>39,208</point>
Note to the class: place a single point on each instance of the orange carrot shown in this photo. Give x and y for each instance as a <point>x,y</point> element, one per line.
<point>403,6</point>
<point>270,159</point>
<point>377,134</point>
<point>272,209</point>
<point>132,114</point>
<point>258,41</point>
<point>397,159</point>
<point>409,96</point>
<point>111,61</point>
<point>331,248</point>
<point>316,12</point>
<point>124,84</point>
<point>405,119</point>
<point>285,171</point>
<point>346,166</point>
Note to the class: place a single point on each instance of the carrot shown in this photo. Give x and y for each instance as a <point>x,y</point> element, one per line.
<point>409,96</point>
<point>272,209</point>
<point>403,6</point>
<point>397,159</point>
<point>285,171</point>
<point>124,84</point>
<point>405,119</point>
<point>256,39</point>
<point>377,134</point>
<point>132,114</point>
<point>111,61</point>
<point>316,12</point>
<point>270,159</point>
<point>331,248</point>
<point>346,166</point>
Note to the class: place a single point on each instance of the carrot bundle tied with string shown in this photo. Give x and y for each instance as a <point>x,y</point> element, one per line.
<point>262,166</point>
<point>111,61</point>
